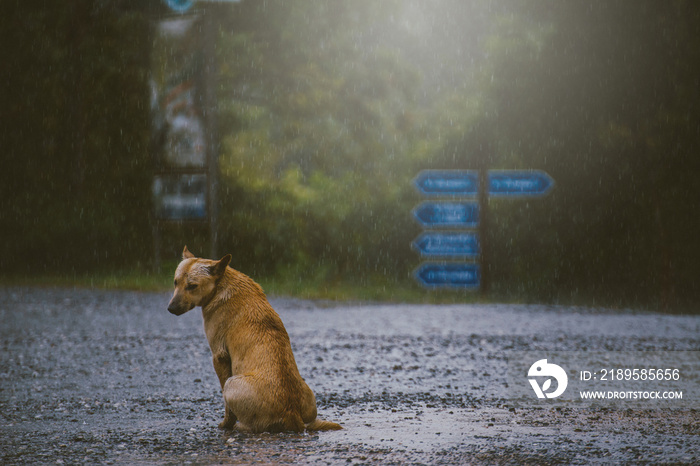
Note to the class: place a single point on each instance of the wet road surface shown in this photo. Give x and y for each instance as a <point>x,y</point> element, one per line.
<point>111,377</point>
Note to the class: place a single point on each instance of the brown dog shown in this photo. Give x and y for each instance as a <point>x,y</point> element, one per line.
<point>252,354</point>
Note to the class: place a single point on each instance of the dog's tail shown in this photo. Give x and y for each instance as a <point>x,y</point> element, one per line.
<point>318,425</point>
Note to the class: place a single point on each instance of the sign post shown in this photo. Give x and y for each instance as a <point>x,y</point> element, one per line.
<point>185,140</point>
<point>484,262</point>
<point>209,78</point>
<point>180,145</point>
<point>449,211</point>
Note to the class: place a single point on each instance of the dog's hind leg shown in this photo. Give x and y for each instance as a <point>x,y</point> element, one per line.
<point>245,403</point>
<point>252,402</point>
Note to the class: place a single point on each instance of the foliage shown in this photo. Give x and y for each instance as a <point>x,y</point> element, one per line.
<point>74,136</point>
<point>600,98</point>
<point>324,130</point>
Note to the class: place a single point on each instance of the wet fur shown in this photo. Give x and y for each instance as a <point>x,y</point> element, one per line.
<point>252,354</point>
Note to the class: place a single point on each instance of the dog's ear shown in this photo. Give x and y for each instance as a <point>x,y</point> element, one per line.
<point>186,254</point>
<point>217,270</point>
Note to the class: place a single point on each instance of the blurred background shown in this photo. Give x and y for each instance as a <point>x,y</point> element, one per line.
<point>324,112</point>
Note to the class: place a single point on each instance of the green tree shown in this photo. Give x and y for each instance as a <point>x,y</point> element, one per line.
<point>600,95</point>
<point>319,124</point>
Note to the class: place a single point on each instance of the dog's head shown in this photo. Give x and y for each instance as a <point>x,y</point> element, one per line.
<point>195,281</point>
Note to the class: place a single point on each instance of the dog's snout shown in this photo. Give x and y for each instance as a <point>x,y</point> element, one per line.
<point>175,307</point>
<point>179,306</point>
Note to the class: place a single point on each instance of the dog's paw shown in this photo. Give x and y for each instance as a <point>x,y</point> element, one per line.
<point>227,423</point>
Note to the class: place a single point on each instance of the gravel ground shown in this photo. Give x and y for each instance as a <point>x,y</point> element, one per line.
<point>111,377</point>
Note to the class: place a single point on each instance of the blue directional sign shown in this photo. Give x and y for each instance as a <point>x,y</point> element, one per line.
<point>447,214</point>
<point>447,244</point>
<point>463,215</point>
<point>453,275</point>
<point>182,6</point>
<point>465,183</point>
<point>179,6</point>
<point>516,183</point>
<point>447,182</point>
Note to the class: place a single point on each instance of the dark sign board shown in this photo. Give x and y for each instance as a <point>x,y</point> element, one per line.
<point>180,196</point>
<point>180,184</point>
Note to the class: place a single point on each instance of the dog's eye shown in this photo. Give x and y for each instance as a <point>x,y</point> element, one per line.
<point>191,286</point>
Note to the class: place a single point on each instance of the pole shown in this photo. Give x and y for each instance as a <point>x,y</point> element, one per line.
<point>209,36</point>
<point>484,228</point>
<point>156,244</point>
<point>483,147</point>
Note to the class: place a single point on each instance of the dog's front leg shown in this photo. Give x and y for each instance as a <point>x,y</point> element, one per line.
<point>222,366</point>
